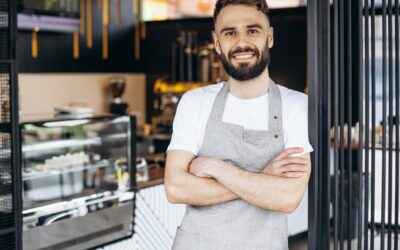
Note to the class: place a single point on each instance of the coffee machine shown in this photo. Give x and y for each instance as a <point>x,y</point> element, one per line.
<point>117,89</point>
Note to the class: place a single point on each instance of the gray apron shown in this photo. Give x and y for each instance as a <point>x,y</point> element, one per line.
<point>237,224</point>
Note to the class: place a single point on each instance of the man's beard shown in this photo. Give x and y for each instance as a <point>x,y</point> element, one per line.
<point>245,71</point>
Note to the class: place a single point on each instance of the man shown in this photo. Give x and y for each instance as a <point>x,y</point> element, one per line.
<point>239,154</point>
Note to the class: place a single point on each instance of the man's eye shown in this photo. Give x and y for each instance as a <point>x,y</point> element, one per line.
<point>253,31</point>
<point>230,33</point>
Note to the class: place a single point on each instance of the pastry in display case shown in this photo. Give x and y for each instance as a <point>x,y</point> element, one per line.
<point>78,180</point>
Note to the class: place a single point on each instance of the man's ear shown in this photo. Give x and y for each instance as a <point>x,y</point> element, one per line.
<point>216,42</point>
<point>270,37</point>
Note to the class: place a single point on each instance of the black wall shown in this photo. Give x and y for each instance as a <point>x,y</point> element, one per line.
<point>289,54</point>
<point>55,48</point>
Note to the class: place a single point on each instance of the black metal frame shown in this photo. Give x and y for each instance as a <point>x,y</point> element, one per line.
<point>319,117</point>
<point>342,85</point>
<point>12,127</point>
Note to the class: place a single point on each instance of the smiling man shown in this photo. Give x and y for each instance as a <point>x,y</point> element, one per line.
<point>239,154</point>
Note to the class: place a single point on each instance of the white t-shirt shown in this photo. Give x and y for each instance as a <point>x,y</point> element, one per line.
<point>195,107</point>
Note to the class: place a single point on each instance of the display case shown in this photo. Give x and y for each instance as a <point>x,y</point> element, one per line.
<point>78,180</point>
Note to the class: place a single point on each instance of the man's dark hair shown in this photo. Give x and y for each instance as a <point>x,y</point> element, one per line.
<point>260,5</point>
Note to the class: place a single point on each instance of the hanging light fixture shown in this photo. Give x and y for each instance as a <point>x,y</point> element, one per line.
<point>106,22</point>
<point>82,11</point>
<point>117,12</point>
<point>142,23</point>
<point>76,45</point>
<point>136,21</point>
<point>35,50</point>
<point>89,23</point>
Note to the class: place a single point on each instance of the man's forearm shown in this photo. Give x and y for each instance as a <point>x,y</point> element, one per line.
<point>191,190</point>
<point>185,188</point>
<point>262,190</point>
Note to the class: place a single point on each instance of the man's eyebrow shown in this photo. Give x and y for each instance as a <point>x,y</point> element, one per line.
<point>256,25</point>
<point>227,29</point>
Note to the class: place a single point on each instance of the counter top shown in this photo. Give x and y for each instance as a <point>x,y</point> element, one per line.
<point>156,177</point>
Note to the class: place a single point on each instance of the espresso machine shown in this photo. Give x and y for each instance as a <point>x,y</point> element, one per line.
<point>117,89</point>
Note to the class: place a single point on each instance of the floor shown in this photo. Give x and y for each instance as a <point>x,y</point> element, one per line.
<point>302,243</point>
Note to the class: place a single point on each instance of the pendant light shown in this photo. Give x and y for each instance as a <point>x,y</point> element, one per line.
<point>76,45</point>
<point>89,23</point>
<point>35,50</point>
<point>106,22</point>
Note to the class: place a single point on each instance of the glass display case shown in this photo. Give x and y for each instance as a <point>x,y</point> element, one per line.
<point>78,180</point>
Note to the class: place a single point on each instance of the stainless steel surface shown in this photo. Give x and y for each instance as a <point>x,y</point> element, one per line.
<point>82,232</point>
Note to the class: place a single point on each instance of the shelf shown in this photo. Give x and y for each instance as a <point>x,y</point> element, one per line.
<point>48,173</point>
<point>57,144</point>
<point>156,177</point>
<point>77,202</point>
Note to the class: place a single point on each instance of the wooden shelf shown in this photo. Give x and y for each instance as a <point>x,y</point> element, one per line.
<point>156,177</point>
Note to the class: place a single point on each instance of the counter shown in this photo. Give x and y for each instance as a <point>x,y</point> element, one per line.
<point>156,177</point>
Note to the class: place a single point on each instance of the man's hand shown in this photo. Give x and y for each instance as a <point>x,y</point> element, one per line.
<point>183,187</point>
<point>286,165</point>
<point>200,166</point>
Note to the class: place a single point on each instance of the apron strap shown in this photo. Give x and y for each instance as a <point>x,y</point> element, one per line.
<point>274,107</point>
<point>274,103</point>
<point>218,108</point>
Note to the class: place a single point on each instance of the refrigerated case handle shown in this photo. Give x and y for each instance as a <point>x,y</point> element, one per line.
<point>59,216</point>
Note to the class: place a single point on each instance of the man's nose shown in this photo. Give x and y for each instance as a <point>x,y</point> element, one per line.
<point>242,40</point>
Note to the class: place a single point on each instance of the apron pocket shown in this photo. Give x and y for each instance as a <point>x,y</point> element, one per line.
<point>185,240</point>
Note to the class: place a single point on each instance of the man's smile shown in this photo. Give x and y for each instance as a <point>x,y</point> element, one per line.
<point>243,56</point>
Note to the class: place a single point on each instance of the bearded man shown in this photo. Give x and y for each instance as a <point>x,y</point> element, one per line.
<point>239,157</point>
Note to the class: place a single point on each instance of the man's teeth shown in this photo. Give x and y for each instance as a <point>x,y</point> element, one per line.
<point>243,56</point>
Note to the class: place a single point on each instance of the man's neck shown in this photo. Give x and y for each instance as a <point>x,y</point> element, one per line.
<point>252,88</point>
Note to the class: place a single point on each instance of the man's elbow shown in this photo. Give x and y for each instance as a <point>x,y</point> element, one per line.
<point>290,207</point>
<point>293,202</point>
<point>285,205</point>
<point>173,193</point>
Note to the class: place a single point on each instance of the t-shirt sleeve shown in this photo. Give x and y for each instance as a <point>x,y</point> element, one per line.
<point>185,125</point>
<point>297,133</point>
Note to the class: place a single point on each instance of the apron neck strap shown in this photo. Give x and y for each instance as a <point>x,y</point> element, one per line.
<point>274,101</point>
<point>219,103</point>
<point>274,107</point>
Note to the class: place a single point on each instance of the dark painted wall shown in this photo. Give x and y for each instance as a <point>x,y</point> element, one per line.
<point>289,54</point>
<point>288,65</point>
<point>55,49</point>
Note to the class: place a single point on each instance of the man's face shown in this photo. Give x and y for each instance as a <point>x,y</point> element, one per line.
<point>243,38</point>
